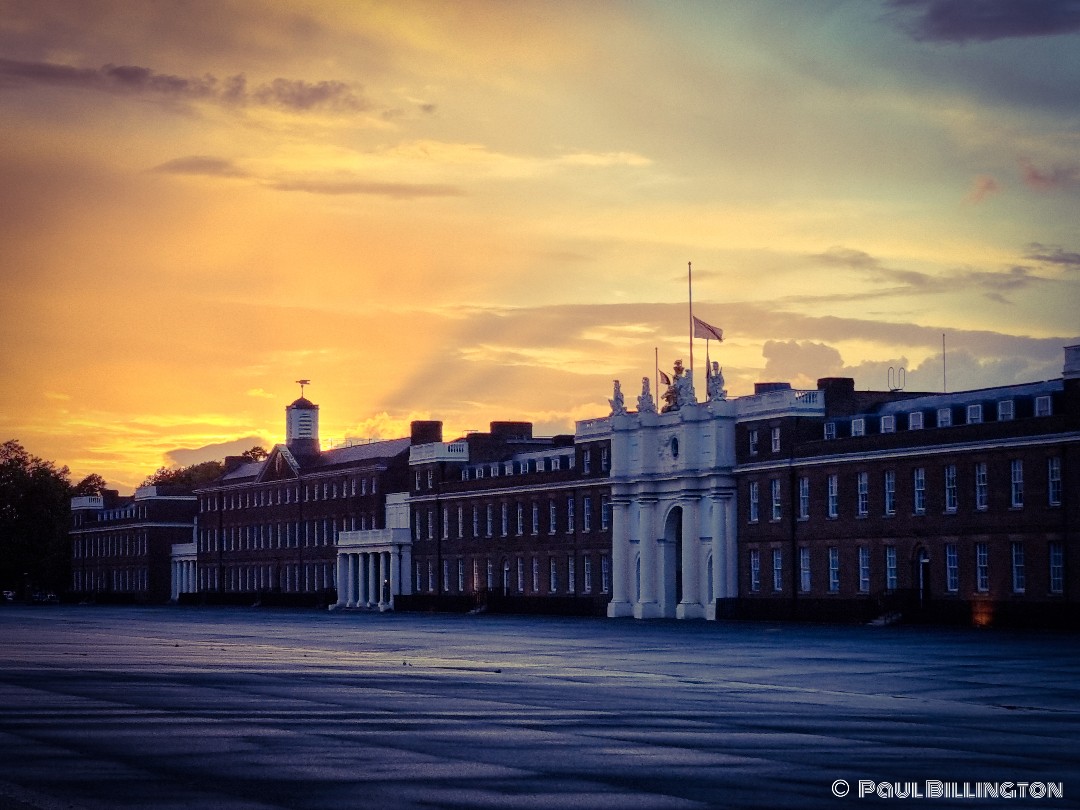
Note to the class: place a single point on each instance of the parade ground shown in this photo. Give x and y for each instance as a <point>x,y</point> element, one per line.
<point>251,709</point>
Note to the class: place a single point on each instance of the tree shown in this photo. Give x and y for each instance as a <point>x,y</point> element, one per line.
<point>190,477</point>
<point>256,453</point>
<point>35,504</point>
<point>93,484</point>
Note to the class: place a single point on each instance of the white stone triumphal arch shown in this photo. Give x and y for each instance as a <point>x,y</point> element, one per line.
<point>673,502</point>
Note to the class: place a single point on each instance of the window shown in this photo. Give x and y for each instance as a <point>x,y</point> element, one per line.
<point>890,492</point>
<point>915,420</point>
<point>1042,406</point>
<point>552,517</point>
<point>944,417</point>
<point>1018,579</point>
<point>605,574</point>
<point>775,487</point>
<point>888,424</point>
<point>446,575</point>
<point>982,492</point>
<point>430,479</point>
<point>553,576</point>
<point>586,461</point>
<point>1016,469</point>
<point>445,522</point>
<point>490,575</point>
<point>603,459</point>
<point>777,570</point>
<point>982,567</point>
<point>1005,410</point>
<point>520,514</point>
<point>834,569</point>
<point>504,519</point>
<point>753,442</point>
<point>460,521</point>
<point>834,496</point>
<point>775,440</point>
<point>586,586</point>
<point>1057,567</point>
<point>974,414</point>
<point>919,483</point>
<point>755,570</point>
<point>858,427</point>
<point>605,513</point>
<point>556,463</point>
<point>753,501</point>
<point>950,488</point>
<point>804,498</point>
<point>890,568</point>
<point>1053,481</point>
<point>570,515</point>
<point>830,431</point>
<point>864,493</point>
<point>571,573</point>
<point>535,518</point>
<point>535,575</point>
<point>952,568</point>
<point>461,575</point>
<point>489,519</point>
<point>476,575</point>
<point>586,513</point>
<point>494,470</point>
<point>804,569</point>
<point>475,521</point>
<point>417,480</point>
<point>864,569</point>
<point>430,576</point>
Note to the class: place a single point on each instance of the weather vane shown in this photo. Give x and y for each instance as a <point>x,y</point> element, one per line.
<point>302,383</point>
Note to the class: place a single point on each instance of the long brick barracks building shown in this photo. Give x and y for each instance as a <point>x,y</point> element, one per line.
<point>823,504</point>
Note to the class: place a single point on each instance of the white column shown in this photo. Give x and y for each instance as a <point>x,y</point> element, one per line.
<point>719,552</point>
<point>395,574</point>
<point>384,574</point>
<point>690,606</point>
<point>373,580</point>
<point>345,580</point>
<point>648,608</point>
<point>620,560</point>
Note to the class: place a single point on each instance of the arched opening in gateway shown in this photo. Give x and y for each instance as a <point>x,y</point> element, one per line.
<point>671,561</point>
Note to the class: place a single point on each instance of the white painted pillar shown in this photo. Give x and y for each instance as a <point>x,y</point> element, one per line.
<point>395,573</point>
<point>732,589</point>
<point>373,580</point>
<point>346,581</point>
<point>649,607</point>
<point>690,606</point>
<point>384,575</point>
<point>620,560</point>
<point>719,553</point>
<point>174,584</point>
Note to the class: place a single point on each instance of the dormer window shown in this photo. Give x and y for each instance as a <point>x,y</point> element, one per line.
<point>1042,406</point>
<point>1005,410</point>
<point>753,442</point>
<point>888,424</point>
<point>830,430</point>
<point>858,427</point>
<point>974,414</point>
<point>915,420</point>
<point>944,417</point>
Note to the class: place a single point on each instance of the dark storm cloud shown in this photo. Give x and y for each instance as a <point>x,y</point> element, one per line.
<point>295,95</point>
<point>400,191</point>
<point>1052,255</point>
<point>985,20</point>
<point>200,165</point>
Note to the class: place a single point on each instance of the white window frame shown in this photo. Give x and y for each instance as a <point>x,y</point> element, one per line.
<point>944,417</point>
<point>974,414</point>
<point>1016,483</point>
<point>804,569</point>
<point>753,497</point>
<point>891,581</point>
<point>1019,576</point>
<point>553,575</point>
<point>1053,481</point>
<point>570,514</point>
<point>1006,410</point>
<point>890,492</point>
<point>952,568</point>
<point>753,442</point>
<point>777,570</point>
<point>951,491</point>
<point>775,439</point>
<point>858,427</point>
<point>804,498</point>
<point>864,569</point>
<point>863,489</point>
<point>888,423</point>
<point>834,569</point>
<point>755,570</point>
<point>833,503</point>
<point>919,490</point>
<point>1056,561</point>
<point>830,431</point>
<point>586,513</point>
<point>915,420</point>
<point>777,511</point>
<point>1043,405</point>
<point>982,567</point>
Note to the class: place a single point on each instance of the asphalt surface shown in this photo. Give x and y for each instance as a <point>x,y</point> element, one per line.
<point>249,709</point>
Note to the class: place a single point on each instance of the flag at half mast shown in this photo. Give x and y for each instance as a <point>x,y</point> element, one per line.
<point>707,331</point>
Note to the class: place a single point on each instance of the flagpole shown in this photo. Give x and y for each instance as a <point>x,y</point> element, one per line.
<point>690,296</point>
<point>656,370</point>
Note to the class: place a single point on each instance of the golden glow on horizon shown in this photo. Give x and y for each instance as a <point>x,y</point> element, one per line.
<point>484,211</point>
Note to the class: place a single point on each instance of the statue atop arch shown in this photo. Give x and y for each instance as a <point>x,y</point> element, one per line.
<point>681,390</point>
<point>714,382</point>
<point>617,401</point>
<point>645,403</point>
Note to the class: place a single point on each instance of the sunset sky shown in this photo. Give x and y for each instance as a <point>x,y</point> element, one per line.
<point>484,210</point>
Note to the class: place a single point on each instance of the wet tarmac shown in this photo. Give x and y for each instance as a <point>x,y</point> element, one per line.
<point>248,709</point>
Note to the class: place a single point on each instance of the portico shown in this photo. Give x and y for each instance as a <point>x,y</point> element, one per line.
<point>373,566</point>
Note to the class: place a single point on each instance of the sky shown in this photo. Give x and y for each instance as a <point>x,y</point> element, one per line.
<point>475,211</point>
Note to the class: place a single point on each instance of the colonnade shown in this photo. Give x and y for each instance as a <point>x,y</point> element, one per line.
<point>365,579</point>
<point>184,577</point>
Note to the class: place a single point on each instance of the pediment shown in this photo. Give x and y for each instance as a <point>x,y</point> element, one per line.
<point>280,465</point>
